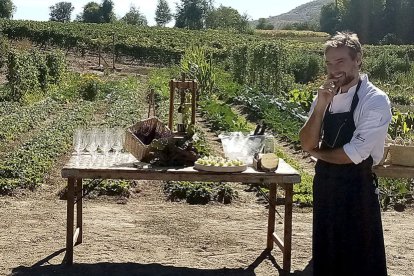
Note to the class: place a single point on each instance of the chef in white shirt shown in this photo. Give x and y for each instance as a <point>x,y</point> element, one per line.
<point>346,131</point>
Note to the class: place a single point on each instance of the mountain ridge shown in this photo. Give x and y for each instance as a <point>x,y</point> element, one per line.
<point>308,12</point>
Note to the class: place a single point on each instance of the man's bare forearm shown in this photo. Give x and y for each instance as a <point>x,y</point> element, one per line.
<point>309,135</point>
<point>335,156</point>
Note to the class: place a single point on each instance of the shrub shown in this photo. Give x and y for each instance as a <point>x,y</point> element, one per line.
<point>260,65</point>
<point>386,65</point>
<point>391,39</point>
<point>199,192</point>
<point>28,72</point>
<point>226,194</point>
<point>39,61</point>
<point>305,67</point>
<point>4,49</point>
<point>56,64</point>
<point>22,74</point>
<point>89,86</point>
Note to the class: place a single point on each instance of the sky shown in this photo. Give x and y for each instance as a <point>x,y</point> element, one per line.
<point>39,9</point>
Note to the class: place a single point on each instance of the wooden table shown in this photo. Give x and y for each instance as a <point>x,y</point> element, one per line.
<point>79,168</point>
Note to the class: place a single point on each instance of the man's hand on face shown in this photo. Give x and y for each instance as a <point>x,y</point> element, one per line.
<point>326,92</point>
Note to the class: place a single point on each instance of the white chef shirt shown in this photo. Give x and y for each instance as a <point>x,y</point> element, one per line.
<point>372,117</point>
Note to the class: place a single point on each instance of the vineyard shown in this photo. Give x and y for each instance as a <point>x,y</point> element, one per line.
<point>266,77</point>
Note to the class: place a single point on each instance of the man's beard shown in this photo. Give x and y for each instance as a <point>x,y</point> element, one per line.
<point>348,79</point>
<point>344,80</point>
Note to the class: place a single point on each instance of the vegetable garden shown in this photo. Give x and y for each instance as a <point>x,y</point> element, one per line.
<point>273,79</point>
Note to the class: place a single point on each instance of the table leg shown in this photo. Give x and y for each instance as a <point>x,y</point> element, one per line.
<point>288,228</point>
<point>70,219</point>
<point>79,194</point>
<point>272,213</point>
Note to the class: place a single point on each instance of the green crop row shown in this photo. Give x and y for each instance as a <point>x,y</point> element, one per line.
<point>7,108</point>
<point>26,118</point>
<point>26,166</point>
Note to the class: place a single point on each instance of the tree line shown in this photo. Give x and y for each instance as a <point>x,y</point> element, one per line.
<point>190,14</point>
<point>375,21</point>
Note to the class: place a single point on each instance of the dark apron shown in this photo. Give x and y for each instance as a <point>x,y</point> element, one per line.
<point>347,230</point>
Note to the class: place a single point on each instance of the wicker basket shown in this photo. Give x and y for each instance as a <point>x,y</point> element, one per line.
<point>401,154</point>
<point>149,129</point>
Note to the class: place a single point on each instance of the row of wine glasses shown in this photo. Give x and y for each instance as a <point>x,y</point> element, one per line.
<point>98,140</point>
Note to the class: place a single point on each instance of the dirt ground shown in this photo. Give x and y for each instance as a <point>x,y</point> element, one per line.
<point>147,235</point>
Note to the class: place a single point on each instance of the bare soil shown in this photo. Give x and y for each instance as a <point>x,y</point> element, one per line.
<point>151,236</point>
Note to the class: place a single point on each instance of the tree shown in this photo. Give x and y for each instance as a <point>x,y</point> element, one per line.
<point>264,24</point>
<point>226,18</point>
<point>163,13</point>
<point>134,17</point>
<point>361,16</point>
<point>405,21</point>
<point>391,13</point>
<point>6,9</point>
<point>302,26</point>
<point>96,13</point>
<point>330,18</point>
<point>61,12</point>
<point>91,13</point>
<point>191,14</point>
<point>107,11</point>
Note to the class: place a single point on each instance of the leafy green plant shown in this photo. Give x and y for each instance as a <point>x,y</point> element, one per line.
<point>386,65</point>
<point>56,64</point>
<point>22,74</point>
<point>108,187</point>
<point>302,97</point>
<point>89,87</point>
<point>199,192</point>
<point>283,117</point>
<point>402,125</point>
<point>305,67</point>
<point>4,49</point>
<point>396,193</point>
<point>30,73</point>
<point>39,61</point>
<point>197,65</point>
<point>222,117</point>
<point>226,88</point>
<point>226,194</point>
<point>26,118</point>
<point>27,165</point>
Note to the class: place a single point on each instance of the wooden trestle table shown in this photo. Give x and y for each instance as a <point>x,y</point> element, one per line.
<point>122,167</point>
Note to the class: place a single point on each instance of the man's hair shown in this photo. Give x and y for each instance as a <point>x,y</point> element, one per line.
<point>345,39</point>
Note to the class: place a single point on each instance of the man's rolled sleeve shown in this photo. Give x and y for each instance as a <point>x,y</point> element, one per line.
<point>370,131</point>
<point>352,153</point>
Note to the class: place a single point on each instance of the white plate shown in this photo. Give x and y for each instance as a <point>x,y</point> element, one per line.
<point>220,168</point>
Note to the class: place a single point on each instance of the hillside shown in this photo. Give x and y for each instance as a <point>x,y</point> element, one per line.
<point>306,12</point>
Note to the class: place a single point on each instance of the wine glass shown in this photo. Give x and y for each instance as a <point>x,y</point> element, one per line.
<point>118,141</point>
<point>92,143</point>
<point>78,141</point>
<point>107,141</point>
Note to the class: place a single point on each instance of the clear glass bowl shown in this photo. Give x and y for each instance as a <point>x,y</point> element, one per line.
<point>237,145</point>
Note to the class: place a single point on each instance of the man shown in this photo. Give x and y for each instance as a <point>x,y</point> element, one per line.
<point>346,131</point>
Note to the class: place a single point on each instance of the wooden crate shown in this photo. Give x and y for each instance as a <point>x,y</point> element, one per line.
<point>402,155</point>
